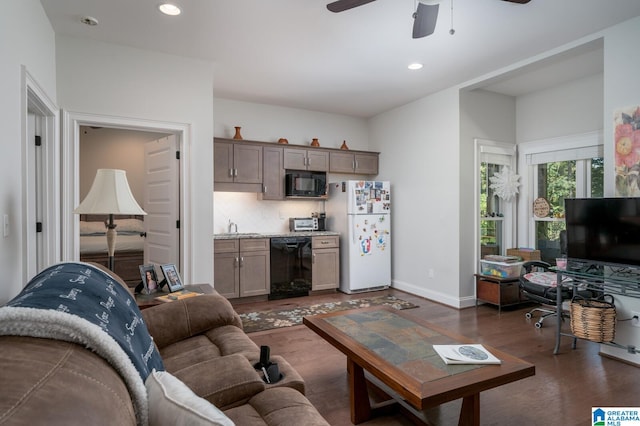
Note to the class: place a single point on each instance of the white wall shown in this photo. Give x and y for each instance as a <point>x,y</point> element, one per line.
<point>106,148</point>
<point>421,149</point>
<point>567,109</point>
<point>621,89</point>
<point>105,79</point>
<point>27,39</point>
<point>268,123</point>
<point>483,115</point>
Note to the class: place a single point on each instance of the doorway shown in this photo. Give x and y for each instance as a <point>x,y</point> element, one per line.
<point>74,125</point>
<point>149,161</point>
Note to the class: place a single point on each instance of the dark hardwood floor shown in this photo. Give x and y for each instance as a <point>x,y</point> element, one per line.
<point>562,392</point>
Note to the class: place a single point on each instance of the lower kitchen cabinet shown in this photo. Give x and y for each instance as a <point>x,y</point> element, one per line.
<point>241,267</point>
<point>325,269</point>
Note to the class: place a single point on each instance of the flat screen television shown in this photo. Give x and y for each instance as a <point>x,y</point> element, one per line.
<point>603,230</point>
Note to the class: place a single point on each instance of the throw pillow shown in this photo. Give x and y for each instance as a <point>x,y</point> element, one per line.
<point>171,402</point>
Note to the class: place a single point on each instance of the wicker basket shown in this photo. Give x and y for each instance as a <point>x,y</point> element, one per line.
<point>593,319</point>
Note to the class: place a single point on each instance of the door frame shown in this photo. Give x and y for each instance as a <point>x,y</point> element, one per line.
<point>36,101</point>
<point>71,122</point>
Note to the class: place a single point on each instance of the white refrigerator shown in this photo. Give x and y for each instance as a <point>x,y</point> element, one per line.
<point>361,212</point>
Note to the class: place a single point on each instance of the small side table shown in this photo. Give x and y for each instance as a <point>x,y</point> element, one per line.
<point>498,291</point>
<point>148,300</point>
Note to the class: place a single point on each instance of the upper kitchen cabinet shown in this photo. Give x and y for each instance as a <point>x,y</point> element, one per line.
<point>365,163</point>
<point>273,173</point>
<point>306,159</point>
<point>237,166</point>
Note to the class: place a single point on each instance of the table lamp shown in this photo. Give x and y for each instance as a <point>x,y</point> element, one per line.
<point>110,194</point>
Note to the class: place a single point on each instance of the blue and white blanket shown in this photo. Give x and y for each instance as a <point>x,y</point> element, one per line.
<point>80,303</point>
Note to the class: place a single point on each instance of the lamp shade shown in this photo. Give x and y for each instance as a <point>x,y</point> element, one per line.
<point>110,194</point>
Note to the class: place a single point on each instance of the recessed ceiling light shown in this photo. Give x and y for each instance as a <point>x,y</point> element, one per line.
<point>169,9</point>
<point>89,20</point>
<point>415,66</point>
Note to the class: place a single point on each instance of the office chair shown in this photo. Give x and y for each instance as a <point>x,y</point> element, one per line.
<point>538,284</point>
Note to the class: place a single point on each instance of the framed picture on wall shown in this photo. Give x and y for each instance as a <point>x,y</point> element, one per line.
<point>149,279</point>
<point>172,277</point>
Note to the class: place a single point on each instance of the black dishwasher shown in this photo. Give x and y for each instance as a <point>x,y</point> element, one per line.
<point>290,267</point>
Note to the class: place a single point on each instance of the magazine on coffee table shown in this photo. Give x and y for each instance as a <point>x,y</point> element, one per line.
<point>465,354</point>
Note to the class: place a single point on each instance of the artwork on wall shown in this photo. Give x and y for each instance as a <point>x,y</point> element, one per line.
<point>626,124</point>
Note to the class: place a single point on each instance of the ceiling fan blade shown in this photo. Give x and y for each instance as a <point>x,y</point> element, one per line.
<point>518,1</point>
<point>424,20</point>
<point>342,5</point>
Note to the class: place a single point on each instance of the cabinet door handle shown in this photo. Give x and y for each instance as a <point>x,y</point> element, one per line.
<point>237,261</point>
<point>230,172</point>
<point>356,161</point>
<point>324,242</point>
<point>313,260</point>
<point>264,188</point>
<point>241,261</point>
<point>235,172</point>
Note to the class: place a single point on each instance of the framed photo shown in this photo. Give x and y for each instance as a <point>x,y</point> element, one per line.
<point>173,278</point>
<point>149,279</point>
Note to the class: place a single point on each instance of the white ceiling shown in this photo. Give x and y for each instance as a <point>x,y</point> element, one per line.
<point>296,53</point>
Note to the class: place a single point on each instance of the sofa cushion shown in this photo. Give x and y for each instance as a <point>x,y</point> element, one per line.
<point>171,402</point>
<point>172,322</point>
<point>224,381</point>
<point>187,352</point>
<point>277,406</point>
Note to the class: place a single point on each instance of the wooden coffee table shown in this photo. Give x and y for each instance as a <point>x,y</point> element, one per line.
<point>396,351</point>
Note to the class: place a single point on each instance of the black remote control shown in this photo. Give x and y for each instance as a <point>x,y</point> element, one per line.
<point>264,355</point>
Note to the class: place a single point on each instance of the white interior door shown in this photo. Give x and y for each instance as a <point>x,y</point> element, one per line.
<point>161,201</point>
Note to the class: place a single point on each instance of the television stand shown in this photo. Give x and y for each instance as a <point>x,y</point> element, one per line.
<point>616,281</point>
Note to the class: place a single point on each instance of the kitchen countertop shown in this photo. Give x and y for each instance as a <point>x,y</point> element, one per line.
<point>234,235</point>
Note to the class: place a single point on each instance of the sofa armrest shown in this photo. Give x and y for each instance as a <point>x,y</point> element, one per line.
<point>174,321</point>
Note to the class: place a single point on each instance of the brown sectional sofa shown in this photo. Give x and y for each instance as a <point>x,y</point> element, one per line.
<point>201,342</point>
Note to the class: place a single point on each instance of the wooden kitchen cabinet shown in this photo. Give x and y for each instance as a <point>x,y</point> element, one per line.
<point>365,163</point>
<point>325,267</point>
<point>273,174</point>
<point>237,166</point>
<point>242,267</point>
<point>306,159</point>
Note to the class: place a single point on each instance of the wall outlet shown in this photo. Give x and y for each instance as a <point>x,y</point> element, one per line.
<point>431,273</point>
<point>635,319</point>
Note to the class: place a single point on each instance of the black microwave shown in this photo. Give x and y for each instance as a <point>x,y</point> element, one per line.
<point>305,184</point>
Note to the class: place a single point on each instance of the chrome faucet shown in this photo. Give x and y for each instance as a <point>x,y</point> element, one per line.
<point>234,225</point>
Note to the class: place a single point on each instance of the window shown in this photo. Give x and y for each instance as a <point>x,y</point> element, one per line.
<point>555,175</point>
<point>496,216</point>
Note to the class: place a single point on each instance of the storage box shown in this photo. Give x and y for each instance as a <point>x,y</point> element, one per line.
<point>525,254</point>
<point>501,269</point>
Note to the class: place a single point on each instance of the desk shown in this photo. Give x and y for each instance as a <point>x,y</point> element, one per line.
<point>619,281</point>
<point>396,350</point>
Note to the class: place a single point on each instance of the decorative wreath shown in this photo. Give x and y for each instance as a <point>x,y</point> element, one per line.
<point>505,183</point>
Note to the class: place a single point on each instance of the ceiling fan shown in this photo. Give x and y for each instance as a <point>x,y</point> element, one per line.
<point>424,18</point>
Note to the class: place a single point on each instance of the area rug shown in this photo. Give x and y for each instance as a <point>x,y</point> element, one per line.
<point>267,320</point>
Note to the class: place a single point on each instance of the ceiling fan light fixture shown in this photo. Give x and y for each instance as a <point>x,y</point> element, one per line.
<point>415,66</point>
<point>169,9</point>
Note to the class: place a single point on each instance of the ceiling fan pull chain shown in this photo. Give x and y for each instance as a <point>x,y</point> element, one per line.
<point>452,31</point>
